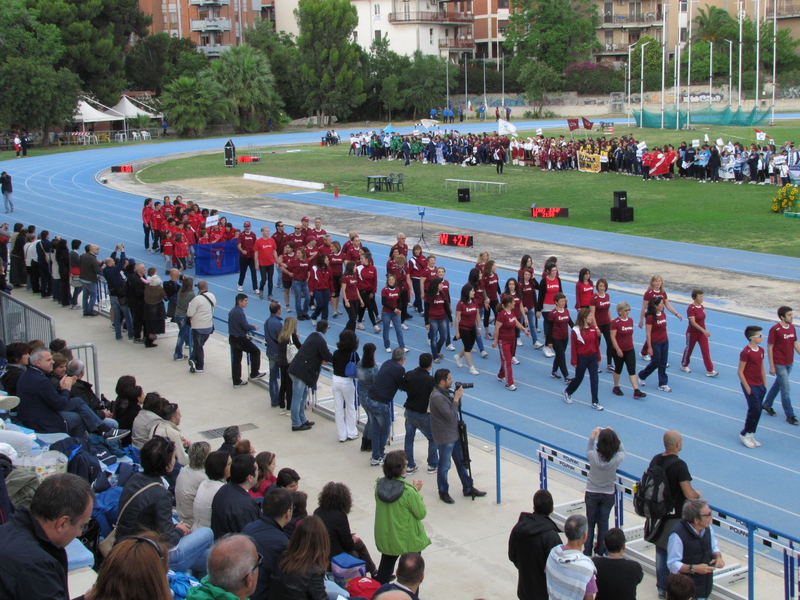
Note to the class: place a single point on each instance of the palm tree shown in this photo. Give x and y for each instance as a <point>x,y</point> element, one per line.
<point>192,103</point>
<point>710,23</point>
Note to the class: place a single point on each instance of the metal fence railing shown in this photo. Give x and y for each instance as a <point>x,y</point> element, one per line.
<point>87,354</point>
<point>20,322</point>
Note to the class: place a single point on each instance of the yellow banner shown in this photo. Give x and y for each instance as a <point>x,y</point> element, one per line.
<point>589,163</point>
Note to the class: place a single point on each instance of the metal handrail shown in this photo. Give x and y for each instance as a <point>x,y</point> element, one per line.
<point>17,323</point>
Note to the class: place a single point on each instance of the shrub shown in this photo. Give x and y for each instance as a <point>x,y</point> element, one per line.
<point>591,78</point>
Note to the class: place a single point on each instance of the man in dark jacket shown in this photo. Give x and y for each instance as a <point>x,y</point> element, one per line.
<point>232,507</point>
<point>304,372</point>
<point>272,329</point>
<point>379,402</point>
<point>238,330</point>
<point>113,271</point>
<point>418,384</point>
<point>90,269</point>
<point>33,562</point>
<point>268,534</point>
<point>529,545</point>
<point>136,287</point>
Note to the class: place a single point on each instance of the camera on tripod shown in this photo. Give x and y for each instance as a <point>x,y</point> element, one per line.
<point>466,386</point>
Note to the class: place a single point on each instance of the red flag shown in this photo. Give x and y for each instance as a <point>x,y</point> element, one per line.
<point>573,124</point>
<point>587,124</point>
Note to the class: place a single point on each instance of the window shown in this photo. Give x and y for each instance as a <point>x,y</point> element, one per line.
<point>683,5</point>
<point>431,35</point>
<point>377,10</point>
<point>635,12</point>
<point>377,34</point>
<point>609,37</point>
<point>502,3</point>
<point>355,37</point>
<point>683,34</point>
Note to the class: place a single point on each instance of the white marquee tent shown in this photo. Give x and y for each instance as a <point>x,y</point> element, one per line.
<point>128,109</point>
<point>86,113</point>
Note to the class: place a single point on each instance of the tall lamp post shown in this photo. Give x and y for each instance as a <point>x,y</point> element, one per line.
<point>630,82</point>
<point>641,93</point>
<point>774,57</point>
<point>730,70</point>
<point>710,71</point>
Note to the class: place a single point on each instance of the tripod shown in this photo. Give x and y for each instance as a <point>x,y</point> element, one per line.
<point>463,439</point>
<point>422,241</point>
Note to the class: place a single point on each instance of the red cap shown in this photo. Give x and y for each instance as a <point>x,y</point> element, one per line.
<point>247,223</point>
<point>304,219</point>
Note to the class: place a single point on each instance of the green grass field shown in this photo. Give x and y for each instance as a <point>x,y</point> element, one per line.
<point>720,214</point>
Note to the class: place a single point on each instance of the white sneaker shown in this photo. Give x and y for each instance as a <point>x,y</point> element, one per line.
<point>597,407</point>
<point>239,288</point>
<point>314,322</point>
<point>404,326</point>
<point>288,308</point>
<point>664,388</point>
<point>474,371</point>
<point>548,352</point>
<point>511,388</point>
<point>407,349</point>
<point>685,369</point>
<point>376,328</point>
<point>754,440</point>
<point>391,325</point>
<point>567,397</point>
<point>388,350</point>
<point>641,381</point>
<point>646,357</point>
<point>514,360</point>
<point>360,326</point>
<point>538,330</point>
<point>538,345</point>
<point>451,348</point>
<point>746,440</point>
<point>484,354</point>
<point>711,373</point>
<point>519,342</point>
<point>459,364</point>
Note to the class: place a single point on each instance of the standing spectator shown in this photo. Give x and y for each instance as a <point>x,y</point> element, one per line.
<point>782,343</point>
<point>185,296</point>
<point>304,373</point>
<point>366,372</point>
<point>399,512</point>
<point>529,545</point>
<point>444,426</point>
<point>617,576</point>
<point>418,386</point>
<point>380,405</point>
<point>7,188</point>
<point>272,329</point>
<point>600,489</point>
<point>17,257</point>
<point>570,574</point>
<point>238,328</point>
<point>113,271</point>
<point>135,274</point>
<point>189,480</point>
<point>33,562</point>
<point>155,314</point>
<point>233,507</point>
<point>201,312</point>
<point>44,260</point>
<point>89,270</point>
<point>265,255</point>
<point>246,245</point>
<point>269,536</point>
<point>753,378</point>
<point>286,337</point>
<point>696,333</point>
<point>335,502</point>
<point>345,358</point>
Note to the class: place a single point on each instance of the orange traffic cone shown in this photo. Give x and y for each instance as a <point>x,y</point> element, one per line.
<point>336,191</point>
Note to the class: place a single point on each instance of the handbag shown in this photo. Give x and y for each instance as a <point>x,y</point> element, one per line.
<point>107,544</point>
<point>75,281</point>
<point>351,369</point>
<point>291,352</point>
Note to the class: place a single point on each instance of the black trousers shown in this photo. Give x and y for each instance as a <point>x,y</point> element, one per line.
<point>240,345</point>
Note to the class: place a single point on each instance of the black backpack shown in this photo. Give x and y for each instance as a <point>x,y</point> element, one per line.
<point>82,462</point>
<point>652,496</point>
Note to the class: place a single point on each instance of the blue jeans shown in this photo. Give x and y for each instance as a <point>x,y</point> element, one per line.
<point>321,300</point>
<point>381,419</point>
<point>531,315</point>
<point>274,380</point>
<point>585,362</point>
<point>121,311</point>
<point>75,293</point>
<point>184,335</point>
<point>191,552</point>
<point>438,334</point>
<point>299,393</point>
<point>662,570</point>
<point>89,296</point>
<point>300,289</point>
<point>198,355</point>
<point>7,201</point>
<point>446,451</point>
<point>781,384</point>
<point>394,319</point>
<point>421,421</point>
<point>598,508</point>
<point>658,361</point>
<point>754,403</point>
<point>86,419</point>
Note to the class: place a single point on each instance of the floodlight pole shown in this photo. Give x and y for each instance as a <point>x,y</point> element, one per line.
<point>630,82</point>
<point>641,93</point>
<point>730,70</point>
<point>774,57</point>
<point>663,77</point>
<point>689,71</point>
<point>710,71</point>
<point>758,53</point>
<point>741,45</point>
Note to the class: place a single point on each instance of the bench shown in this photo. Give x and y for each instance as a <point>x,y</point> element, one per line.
<point>473,184</point>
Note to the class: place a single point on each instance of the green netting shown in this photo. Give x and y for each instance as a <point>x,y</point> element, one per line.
<point>701,116</point>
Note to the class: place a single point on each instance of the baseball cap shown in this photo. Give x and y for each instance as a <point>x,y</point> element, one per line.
<point>304,219</point>
<point>247,223</point>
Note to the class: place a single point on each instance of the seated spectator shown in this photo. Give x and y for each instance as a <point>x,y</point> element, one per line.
<point>269,535</point>
<point>233,566</point>
<point>289,479</point>
<point>151,510</point>
<point>146,420</point>
<point>189,480</point>
<point>299,510</point>
<point>84,390</point>
<point>680,587</point>
<point>617,576</point>
<point>266,462</point>
<point>33,562</point>
<point>301,571</point>
<point>17,354</point>
<point>570,574</point>
<point>59,346</point>
<point>59,370</point>
<point>47,410</point>
<point>335,502</point>
<point>168,427</point>
<point>218,470</point>
<point>127,406</point>
<point>243,447</point>
<point>135,569</point>
<point>410,573</point>
<point>230,436</point>
<point>232,507</point>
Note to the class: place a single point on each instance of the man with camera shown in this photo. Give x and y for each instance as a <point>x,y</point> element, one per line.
<point>444,408</point>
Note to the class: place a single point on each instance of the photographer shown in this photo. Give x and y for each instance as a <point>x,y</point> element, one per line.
<point>118,291</point>
<point>444,426</point>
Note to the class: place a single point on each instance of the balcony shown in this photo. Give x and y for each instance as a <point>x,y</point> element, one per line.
<point>461,43</point>
<point>786,9</point>
<point>430,17</point>
<point>636,20</point>
<point>612,50</point>
<point>209,2</point>
<point>213,50</point>
<point>211,24</point>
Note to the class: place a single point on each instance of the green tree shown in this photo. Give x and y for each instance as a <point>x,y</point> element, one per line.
<point>95,34</point>
<point>244,73</point>
<point>24,36</point>
<point>538,78</point>
<point>652,56</point>
<point>390,94</point>
<point>710,24</point>
<point>192,103</point>
<point>283,56</point>
<point>555,32</point>
<point>328,59</point>
<point>158,59</point>
<point>35,96</point>
<point>424,83</point>
<point>377,65</point>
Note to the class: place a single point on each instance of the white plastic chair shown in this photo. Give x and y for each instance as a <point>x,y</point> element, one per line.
<point>135,135</point>
<point>145,135</point>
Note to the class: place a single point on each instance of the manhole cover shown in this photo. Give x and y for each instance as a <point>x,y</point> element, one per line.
<point>217,433</point>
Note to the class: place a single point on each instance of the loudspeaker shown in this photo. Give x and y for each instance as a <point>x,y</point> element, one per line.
<point>622,215</point>
<point>463,194</point>
<point>620,199</point>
